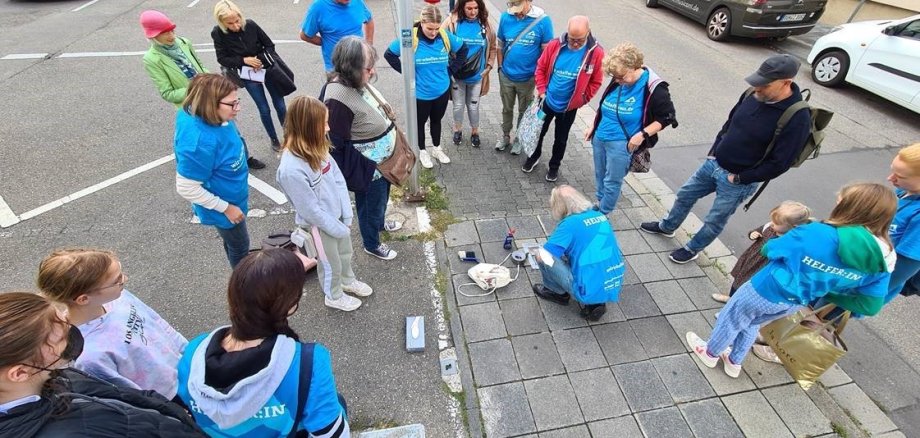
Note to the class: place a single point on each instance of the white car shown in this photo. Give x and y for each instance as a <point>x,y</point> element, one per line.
<point>880,56</point>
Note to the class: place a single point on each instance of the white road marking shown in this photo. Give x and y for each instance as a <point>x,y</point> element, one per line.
<point>267,190</point>
<point>193,3</point>
<point>206,47</point>
<point>24,56</point>
<point>98,54</point>
<point>84,5</point>
<point>95,188</point>
<point>296,1</point>
<point>7,217</point>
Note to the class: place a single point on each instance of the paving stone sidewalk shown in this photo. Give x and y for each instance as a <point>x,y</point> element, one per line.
<point>534,368</point>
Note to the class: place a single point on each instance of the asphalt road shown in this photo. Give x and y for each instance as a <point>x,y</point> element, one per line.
<point>70,123</point>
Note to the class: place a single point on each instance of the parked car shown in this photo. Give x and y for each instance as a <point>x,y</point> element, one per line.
<point>881,56</point>
<point>749,18</point>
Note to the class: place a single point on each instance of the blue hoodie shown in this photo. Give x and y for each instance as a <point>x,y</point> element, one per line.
<point>260,404</point>
<point>806,264</point>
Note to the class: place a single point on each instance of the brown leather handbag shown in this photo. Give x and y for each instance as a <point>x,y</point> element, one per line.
<point>398,166</point>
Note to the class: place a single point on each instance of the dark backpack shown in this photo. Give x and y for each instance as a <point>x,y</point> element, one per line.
<point>820,119</point>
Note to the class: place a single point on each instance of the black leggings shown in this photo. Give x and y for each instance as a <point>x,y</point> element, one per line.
<point>434,109</point>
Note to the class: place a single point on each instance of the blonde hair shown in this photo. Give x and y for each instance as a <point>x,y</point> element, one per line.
<point>625,56</point>
<point>226,9</point>
<point>305,130</point>
<point>203,95</point>
<point>65,274</point>
<point>430,14</point>
<point>910,155</point>
<point>871,205</point>
<point>565,200</point>
<point>790,214</point>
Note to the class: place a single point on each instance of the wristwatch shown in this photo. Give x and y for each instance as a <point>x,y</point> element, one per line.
<point>644,134</point>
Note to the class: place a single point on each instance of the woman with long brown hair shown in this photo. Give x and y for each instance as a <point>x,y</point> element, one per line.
<point>255,377</point>
<point>211,169</point>
<point>315,185</point>
<point>41,397</point>
<point>846,259</point>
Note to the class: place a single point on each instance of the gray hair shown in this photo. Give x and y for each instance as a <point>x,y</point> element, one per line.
<point>351,56</point>
<point>565,200</point>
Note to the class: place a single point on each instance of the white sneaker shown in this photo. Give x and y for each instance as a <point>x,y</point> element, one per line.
<point>358,288</point>
<point>731,369</point>
<point>699,348</point>
<point>438,153</point>
<point>345,303</point>
<point>425,159</point>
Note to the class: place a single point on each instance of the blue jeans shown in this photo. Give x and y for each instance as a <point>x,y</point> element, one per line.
<point>557,278</point>
<point>265,113</point>
<point>372,208</point>
<point>236,242</point>
<point>611,163</point>
<point>707,179</point>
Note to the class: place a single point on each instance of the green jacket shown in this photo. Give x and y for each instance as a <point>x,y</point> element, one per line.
<point>166,75</point>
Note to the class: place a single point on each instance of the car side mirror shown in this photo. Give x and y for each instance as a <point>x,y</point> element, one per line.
<point>890,30</point>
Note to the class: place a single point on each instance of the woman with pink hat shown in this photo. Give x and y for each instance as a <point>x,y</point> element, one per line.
<point>171,62</point>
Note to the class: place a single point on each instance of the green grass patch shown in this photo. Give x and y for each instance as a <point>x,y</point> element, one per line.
<point>839,430</point>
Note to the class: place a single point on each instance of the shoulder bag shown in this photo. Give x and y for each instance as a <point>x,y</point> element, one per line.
<point>398,166</point>
<point>641,161</point>
<point>279,74</point>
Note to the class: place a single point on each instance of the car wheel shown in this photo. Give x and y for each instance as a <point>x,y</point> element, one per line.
<point>651,3</point>
<point>719,25</point>
<point>830,68</point>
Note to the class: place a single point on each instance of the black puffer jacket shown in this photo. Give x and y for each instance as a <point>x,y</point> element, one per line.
<point>232,47</point>
<point>99,410</point>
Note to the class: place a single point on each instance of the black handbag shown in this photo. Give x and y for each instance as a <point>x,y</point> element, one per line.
<point>279,74</point>
<point>469,68</point>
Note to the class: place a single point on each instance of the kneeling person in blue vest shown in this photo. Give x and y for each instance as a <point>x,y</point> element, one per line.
<point>256,378</point>
<point>581,258</point>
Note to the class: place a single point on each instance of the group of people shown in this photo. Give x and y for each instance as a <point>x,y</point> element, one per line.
<point>86,357</point>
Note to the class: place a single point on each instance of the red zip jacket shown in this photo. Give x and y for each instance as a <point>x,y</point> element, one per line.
<point>590,73</point>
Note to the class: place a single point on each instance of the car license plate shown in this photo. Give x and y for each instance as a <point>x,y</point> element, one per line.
<point>792,17</point>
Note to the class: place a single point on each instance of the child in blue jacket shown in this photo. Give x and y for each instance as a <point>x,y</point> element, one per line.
<point>846,259</point>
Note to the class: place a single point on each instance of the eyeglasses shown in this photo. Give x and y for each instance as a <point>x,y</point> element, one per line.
<point>578,40</point>
<point>235,104</point>
<point>122,279</point>
<point>513,4</point>
<point>620,77</point>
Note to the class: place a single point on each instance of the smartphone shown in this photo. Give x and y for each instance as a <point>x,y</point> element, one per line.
<point>467,256</point>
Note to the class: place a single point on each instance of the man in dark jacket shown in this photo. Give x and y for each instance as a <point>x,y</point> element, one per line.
<point>568,75</point>
<point>78,405</point>
<point>737,162</point>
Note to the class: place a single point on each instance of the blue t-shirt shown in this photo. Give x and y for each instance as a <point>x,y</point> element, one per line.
<point>563,78</point>
<point>905,228</point>
<point>520,60</point>
<point>597,265</point>
<point>432,78</point>
<point>629,100</point>
<point>334,21</point>
<point>213,155</point>
<point>471,32</point>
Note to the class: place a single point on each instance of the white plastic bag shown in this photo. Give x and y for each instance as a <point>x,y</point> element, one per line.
<point>529,127</point>
<point>489,276</point>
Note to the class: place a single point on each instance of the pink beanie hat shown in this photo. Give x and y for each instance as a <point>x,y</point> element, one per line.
<point>155,23</point>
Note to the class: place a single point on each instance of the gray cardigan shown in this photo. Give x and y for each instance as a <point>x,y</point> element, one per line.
<point>319,196</point>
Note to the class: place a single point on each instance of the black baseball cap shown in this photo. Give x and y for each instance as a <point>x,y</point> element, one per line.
<point>774,68</point>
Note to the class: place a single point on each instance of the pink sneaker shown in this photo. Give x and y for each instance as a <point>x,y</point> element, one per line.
<point>699,348</point>
<point>731,369</point>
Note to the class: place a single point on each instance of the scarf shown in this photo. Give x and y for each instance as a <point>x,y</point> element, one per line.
<point>178,56</point>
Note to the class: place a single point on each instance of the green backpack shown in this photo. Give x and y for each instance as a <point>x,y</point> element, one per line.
<point>820,119</point>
